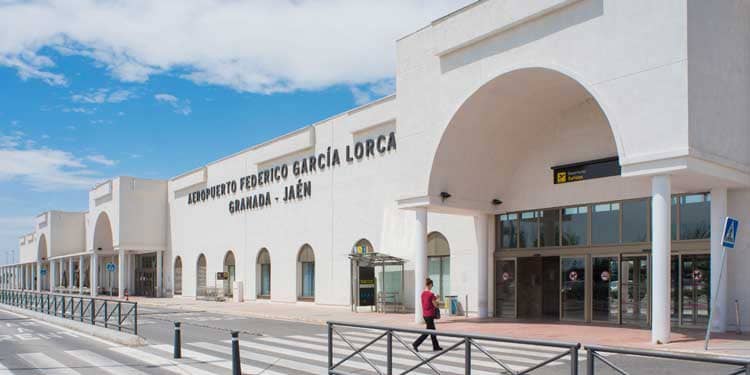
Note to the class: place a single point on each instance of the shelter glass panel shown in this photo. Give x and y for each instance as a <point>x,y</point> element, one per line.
<point>575,226</point>
<point>695,216</point>
<point>635,221</point>
<point>549,231</point>
<point>605,223</point>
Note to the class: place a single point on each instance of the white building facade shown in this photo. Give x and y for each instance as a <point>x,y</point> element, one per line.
<point>549,159</point>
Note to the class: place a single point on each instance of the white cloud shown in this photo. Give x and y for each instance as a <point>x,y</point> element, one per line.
<point>101,159</point>
<point>253,46</point>
<point>102,96</point>
<point>43,169</point>
<point>178,106</point>
<point>84,110</point>
<point>366,93</point>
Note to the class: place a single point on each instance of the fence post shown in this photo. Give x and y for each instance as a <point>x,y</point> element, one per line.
<point>93,311</point>
<point>81,310</point>
<point>589,361</point>
<point>389,352</point>
<point>177,341</point>
<point>574,359</point>
<point>106,315</point>
<point>55,298</point>
<point>236,365</point>
<point>119,316</point>
<point>135,319</point>
<point>467,356</point>
<point>330,346</point>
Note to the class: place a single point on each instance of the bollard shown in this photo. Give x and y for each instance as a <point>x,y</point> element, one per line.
<point>177,341</point>
<point>236,365</point>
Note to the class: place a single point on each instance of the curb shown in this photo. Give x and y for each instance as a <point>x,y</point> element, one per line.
<point>122,338</point>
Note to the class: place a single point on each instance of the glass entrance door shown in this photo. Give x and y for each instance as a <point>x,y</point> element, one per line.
<point>606,289</point>
<point>573,291</point>
<point>505,288</point>
<point>635,296</point>
<point>695,289</point>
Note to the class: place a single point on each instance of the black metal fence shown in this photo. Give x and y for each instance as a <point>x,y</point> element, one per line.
<point>470,345</point>
<point>119,315</point>
<point>594,353</point>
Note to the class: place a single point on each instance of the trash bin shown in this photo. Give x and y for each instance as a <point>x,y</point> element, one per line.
<point>451,305</point>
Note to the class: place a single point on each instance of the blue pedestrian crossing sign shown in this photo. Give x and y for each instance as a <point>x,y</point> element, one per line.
<point>731,226</point>
<point>43,271</point>
<point>111,267</point>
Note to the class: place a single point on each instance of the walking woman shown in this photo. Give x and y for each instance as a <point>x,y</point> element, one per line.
<point>429,313</point>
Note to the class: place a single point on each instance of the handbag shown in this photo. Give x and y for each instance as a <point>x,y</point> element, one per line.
<point>437,313</point>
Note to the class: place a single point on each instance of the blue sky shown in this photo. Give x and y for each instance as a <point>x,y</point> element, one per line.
<point>95,89</point>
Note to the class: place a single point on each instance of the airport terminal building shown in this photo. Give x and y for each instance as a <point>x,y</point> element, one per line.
<point>566,160</point>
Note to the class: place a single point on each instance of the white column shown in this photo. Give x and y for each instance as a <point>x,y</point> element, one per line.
<point>93,274</point>
<point>52,276</point>
<point>129,274</point>
<point>38,276</point>
<point>121,274</point>
<point>25,277</point>
<point>420,259</point>
<point>80,274</point>
<point>70,274</point>
<point>481,222</point>
<point>719,301</point>
<point>159,264</point>
<point>661,242</point>
<point>60,273</point>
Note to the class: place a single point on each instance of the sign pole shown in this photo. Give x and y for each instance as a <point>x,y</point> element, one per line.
<point>713,300</point>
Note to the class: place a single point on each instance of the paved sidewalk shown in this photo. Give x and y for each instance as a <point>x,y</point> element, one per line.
<point>684,340</point>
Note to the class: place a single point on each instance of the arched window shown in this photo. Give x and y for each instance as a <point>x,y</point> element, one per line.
<point>201,276</point>
<point>363,246</point>
<point>263,270</point>
<point>439,262</point>
<point>306,273</point>
<point>178,276</point>
<point>229,268</point>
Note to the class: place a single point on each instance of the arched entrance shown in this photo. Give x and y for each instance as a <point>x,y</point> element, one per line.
<point>42,256</point>
<point>439,263</point>
<point>229,268</point>
<point>178,276</point>
<point>306,274</point>
<point>200,276</point>
<point>103,244</point>
<point>263,270</point>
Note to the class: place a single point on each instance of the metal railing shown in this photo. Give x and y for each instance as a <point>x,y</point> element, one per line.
<point>593,354</point>
<point>466,343</point>
<point>113,314</point>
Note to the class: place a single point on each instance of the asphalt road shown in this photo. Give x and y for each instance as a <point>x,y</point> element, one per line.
<point>267,346</point>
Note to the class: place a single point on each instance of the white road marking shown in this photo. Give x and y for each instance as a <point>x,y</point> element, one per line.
<point>46,364</point>
<point>162,363</point>
<point>102,363</point>
<point>253,357</point>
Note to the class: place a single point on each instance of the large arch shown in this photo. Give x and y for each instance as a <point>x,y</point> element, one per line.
<point>511,130</point>
<point>103,238</point>
<point>263,272</point>
<point>177,277</point>
<point>201,276</point>
<point>306,273</point>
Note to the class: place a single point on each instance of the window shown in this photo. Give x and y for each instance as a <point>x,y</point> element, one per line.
<point>695,216</point>
<point>439,263</point>
<point>529,229</point>
<point>201,279</point>
<point>177,276</point>
<point>605,223</point>
<point>575,226</point>
<point>508,229</point>
<point>635,221</point>
<point>306,264</point>
<point>264,270</point>
<point>549,231</point>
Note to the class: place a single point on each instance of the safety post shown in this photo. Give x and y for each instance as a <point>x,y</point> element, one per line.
<point>236,365</point>
<point>177,341</point>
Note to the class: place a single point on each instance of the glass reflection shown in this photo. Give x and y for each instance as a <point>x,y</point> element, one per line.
<point>573,287</point>
<point>605,223</point>
<point>529,229</point>
<point>635,221</point>
<point>575,226</point>
<point>505,289</point>
<point>549,231</point>
<point>695,216</point>
<point>606,300</point>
